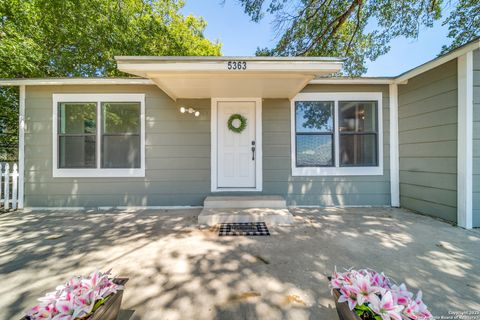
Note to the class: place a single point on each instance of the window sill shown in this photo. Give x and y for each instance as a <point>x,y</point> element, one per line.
<point>337,171</point>
<point>98,173</point>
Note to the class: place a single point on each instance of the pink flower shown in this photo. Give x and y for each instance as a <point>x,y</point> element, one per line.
<point>401,295</point>
<point>385,307</point>
<point>74,299</point>
<point>365,291</point>
<point>348,294</point>
<point>416,309</point>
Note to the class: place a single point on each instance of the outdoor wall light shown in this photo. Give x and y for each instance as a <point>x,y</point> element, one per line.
<point>190,110</point>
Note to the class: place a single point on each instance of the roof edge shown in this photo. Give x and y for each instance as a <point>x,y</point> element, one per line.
<point>350,80</point>
<point>453,54</point>
<point>175,59</point>
<point>74,81</point>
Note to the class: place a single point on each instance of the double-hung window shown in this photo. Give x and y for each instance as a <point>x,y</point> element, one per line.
<point>337,134</point>
<point>98,135</point>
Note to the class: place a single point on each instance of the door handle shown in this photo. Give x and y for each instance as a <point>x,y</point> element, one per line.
<point>253,150</point>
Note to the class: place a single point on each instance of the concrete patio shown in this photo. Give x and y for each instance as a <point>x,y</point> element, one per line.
<point>180,271</point>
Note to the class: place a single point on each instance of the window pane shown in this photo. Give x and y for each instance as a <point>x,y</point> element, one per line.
<point>121,117</point>
<point>358,116</point>
<point>358,150</point>
<point>314,150</point>
<point>76,152</point>
<point>77,118</point>
<point>119,151</point>
<point>314,116</point>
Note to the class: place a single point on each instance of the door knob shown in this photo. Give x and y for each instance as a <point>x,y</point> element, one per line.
<point>253,150</point>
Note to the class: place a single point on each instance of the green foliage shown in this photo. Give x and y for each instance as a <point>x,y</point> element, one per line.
<point>358,29</point>
<point>463,23</point>
<point>8,123</point>
<point>65,38</point>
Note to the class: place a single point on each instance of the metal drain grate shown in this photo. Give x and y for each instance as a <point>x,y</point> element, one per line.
<point>244,229</point>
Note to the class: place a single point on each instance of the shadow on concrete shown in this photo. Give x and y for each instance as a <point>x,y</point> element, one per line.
<point>180,271</point>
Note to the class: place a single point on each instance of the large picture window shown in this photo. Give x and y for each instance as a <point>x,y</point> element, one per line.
<point>337,134</point>
<point>98,135</point>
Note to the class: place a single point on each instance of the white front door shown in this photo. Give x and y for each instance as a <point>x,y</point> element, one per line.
<point>236,152</point>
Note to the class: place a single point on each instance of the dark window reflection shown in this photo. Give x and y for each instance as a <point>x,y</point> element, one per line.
<point>77,129</point>
<point>314,126</point>
<point>358,133</point>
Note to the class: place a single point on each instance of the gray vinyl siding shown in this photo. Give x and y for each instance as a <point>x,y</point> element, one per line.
<point>428,142</point>
<point>178,157</point>
<point>476,138</point>
<point>319,191</point>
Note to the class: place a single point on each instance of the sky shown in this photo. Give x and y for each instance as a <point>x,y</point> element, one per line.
<point>227,23</point>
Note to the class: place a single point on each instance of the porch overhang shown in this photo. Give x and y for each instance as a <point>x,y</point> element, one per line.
<point>230,77</point>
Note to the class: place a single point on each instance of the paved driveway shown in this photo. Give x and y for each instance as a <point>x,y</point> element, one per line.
<point>179,271</point>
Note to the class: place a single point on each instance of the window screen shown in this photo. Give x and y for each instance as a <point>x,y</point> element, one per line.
<point>77,135</point>
<point>314,133</point>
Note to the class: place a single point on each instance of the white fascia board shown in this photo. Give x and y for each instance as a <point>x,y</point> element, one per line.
<point>438,61</point>
<point>306,67</point>
<point>353,81</point>
<point>74,81</point>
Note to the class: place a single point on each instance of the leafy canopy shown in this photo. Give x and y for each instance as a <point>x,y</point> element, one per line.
<point>63,38</point>
<point>358,29</point>
<point>80,37</point>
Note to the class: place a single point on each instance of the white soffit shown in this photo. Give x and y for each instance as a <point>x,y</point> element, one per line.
<point>206,77</point>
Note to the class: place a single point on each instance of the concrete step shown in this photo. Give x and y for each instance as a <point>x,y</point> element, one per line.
<point>270,216</point>
<point>273,202</point>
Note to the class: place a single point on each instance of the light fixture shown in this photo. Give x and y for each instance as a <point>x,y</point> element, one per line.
<point>190,110</point>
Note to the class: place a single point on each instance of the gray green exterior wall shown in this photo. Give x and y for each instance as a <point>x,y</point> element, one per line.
<point>476,138</point>
<point>178,157</point>
<point>324,191</point>
<point>428,142</point>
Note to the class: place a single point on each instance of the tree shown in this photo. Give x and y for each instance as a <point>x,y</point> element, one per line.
<point>65,38</point>
<point>357,29</point>
<point>463,24</point>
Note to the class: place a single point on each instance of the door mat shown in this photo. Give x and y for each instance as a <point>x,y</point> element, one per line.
<point>244,229</point>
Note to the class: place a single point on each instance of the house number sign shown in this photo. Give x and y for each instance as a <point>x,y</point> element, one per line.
<point>237,65</point>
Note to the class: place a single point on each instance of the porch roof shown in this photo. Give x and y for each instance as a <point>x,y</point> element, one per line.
<point>230,77</point>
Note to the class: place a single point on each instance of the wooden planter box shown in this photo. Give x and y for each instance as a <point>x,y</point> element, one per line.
<point>110,309</point>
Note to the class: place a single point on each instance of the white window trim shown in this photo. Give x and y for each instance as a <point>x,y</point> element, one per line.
<point>337,170</point>
<point>98,172</point>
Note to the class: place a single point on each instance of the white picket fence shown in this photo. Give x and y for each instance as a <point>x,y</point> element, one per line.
<point>8,186</point>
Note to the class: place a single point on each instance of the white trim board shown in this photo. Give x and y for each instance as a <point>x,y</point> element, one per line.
<point>74,81</point>
<point>457,53</point>
<point>98,171</point>
<point>21,147</point>
<point>214,146</point>
<point>104,208</point>
<point>394,149</point>
<point>337,170</point>
<point>465,142</point>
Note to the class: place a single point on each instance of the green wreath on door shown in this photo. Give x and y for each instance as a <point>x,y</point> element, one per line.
<point>239,128</point>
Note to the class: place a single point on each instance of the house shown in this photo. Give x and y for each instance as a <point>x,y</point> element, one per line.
<point>188,127</point>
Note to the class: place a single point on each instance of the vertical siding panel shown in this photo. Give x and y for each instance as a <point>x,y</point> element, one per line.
<point>428,142</point>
